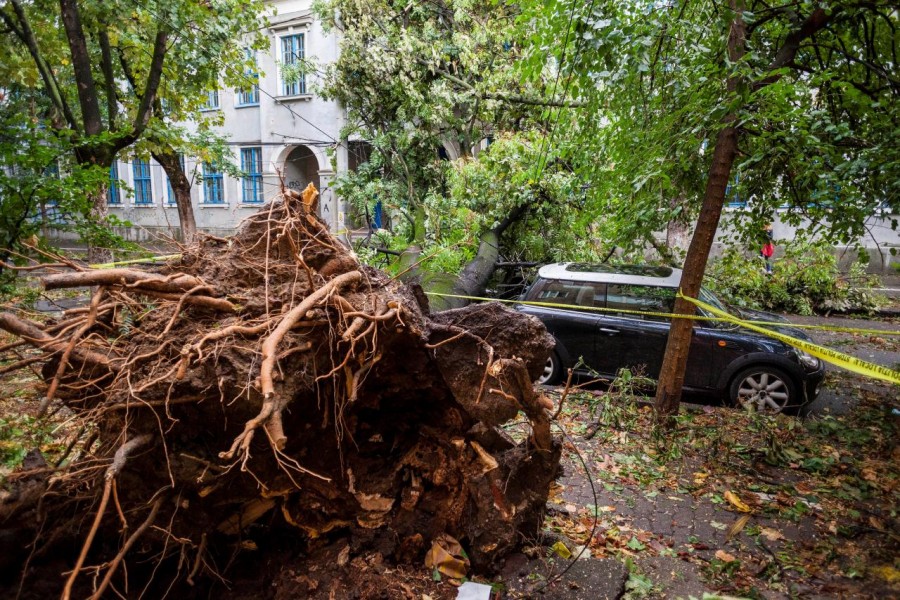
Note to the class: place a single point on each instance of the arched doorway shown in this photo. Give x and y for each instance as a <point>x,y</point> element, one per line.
<point>301,168</point>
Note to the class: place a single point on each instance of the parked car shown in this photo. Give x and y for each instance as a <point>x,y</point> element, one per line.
<point>725,360</point>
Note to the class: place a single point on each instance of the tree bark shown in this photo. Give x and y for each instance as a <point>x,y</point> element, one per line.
<point>671,375</point>
<point>81,64</point>
<point>126,277</point>
<point>181,187</point>
<point>99,215</point>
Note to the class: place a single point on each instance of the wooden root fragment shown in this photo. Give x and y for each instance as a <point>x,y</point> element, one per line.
<point>123,277</point>
<point>270,414</point>
<point>30,332</point>
<point>118,462</point>
<point>219,304</point>
<point>535,405</point>
<point>67,353</point>
<point>125,548</point>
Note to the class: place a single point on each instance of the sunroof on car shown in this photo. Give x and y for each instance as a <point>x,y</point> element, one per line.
<point>635,270</point>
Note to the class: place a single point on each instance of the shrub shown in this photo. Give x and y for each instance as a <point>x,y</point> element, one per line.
<point>805,280</point>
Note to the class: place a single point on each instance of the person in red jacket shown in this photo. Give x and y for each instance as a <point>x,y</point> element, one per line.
<point>768,249</point>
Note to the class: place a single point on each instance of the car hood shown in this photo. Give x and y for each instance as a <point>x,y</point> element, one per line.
<point>759,315</point>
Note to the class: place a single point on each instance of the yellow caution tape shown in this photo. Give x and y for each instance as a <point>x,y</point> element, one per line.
<point>667,315</point>
<point>834,357</point>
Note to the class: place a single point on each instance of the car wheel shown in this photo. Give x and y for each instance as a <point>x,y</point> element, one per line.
<point>764,389</point>
<point>552,370</point>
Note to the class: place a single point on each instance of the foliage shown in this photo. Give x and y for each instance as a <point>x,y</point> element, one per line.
<point>834,475</point>
<point>422,81</point>
<point>41,188</point>
<point>819,134</point>
<point>19,434</point>
<point>105,80</point>
<point>806,280</point>
<point>478,193</point>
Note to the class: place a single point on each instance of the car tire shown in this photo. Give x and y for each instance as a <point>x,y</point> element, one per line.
<point>552,370</point>
<point>765,389</point>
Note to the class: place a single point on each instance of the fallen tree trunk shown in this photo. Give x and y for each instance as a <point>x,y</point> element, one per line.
<point>327,404</point>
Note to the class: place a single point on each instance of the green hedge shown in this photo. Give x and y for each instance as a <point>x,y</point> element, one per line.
<point>806,280</point>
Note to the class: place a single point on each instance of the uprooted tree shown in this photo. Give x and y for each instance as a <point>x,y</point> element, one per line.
<point>271,382</point>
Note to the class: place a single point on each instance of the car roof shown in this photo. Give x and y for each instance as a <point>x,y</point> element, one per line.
<point>603,273</point>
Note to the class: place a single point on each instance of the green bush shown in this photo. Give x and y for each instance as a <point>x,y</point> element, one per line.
<point>806,280</point>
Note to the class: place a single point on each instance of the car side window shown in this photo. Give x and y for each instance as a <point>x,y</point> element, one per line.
<point>568,292</point>
<point>645,298</point>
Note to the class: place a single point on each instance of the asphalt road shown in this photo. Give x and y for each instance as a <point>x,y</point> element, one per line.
<point>879,349</point>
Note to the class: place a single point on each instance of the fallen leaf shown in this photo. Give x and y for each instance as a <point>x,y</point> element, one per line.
<point>773,535</point>
<point>724,556</point>
<point>561,550</point>
<point>870,475</point>
<point>888,573</point>
<point>736,502</point>
<point>737,526</point>
<point>446,556</point>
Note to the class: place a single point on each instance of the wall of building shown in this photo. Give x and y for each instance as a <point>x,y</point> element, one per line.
<point>298,135</point>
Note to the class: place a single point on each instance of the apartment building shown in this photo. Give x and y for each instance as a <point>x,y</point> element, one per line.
<point>279,128</point>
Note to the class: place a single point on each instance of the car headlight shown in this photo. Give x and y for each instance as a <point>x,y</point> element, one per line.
<point>807,360</point>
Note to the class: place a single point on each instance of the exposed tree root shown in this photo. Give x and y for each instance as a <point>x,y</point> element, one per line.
<point>380,421</point>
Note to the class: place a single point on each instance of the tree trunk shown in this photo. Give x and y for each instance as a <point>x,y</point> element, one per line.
<point>181,187</point>
<point>671,375</point>
<point>99,215</point>
<point>475,275</point>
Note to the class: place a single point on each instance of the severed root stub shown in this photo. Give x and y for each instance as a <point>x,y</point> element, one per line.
<point>270,387</point>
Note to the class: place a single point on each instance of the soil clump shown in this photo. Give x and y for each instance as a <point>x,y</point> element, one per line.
<point>267,399</point>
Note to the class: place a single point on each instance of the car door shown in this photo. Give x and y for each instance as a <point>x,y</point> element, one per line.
<point>563,311</point>
<point>637,340</point>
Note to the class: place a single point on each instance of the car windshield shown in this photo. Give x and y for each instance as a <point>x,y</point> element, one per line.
<point>710,298</point>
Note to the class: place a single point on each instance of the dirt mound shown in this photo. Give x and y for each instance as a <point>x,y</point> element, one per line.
<point>268,385</point>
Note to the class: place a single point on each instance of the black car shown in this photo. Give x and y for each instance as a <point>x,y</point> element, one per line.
<point>725,360</point>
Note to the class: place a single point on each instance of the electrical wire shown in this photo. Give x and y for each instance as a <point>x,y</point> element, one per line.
<point>590,478</point>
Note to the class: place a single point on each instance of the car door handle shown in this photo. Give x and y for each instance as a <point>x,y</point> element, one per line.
<point>609,331</point>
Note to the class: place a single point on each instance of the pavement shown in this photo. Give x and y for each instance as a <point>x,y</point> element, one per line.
<point>677,524</point>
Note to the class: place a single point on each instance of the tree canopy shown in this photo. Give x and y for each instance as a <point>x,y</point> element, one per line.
<point>113,72</point>
<point>814,104</point>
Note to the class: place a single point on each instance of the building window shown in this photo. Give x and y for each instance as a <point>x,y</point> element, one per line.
<point>292,53</point>
<point>251,165</point>
<point>143,191</point>
<point>212,100</point>
<point>213,188</point>
<point>113,196</point>
<point>170,197</point>
<point>249,96</point>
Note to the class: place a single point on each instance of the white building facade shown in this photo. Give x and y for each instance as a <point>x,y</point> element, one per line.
<point>279,129</point>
